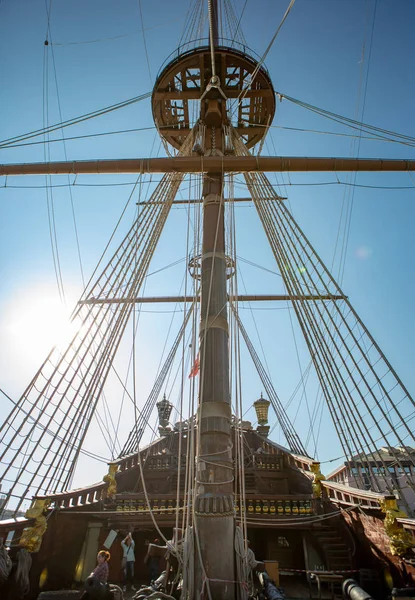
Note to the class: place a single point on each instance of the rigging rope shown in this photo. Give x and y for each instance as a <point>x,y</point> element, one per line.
<point>193,24</point>
<point>384,134</point>
<point>72,380</point>
<point>255,72</point>
<point>75,120</point>
<point>136,434</point>
<point>5,564</point>
<point>353,372</point>
<point>144,40</point>
<point>293,440</point>
<point>243,572</point>
<point>211,39</point>
<point>24,563</point>
<point>240,542</point>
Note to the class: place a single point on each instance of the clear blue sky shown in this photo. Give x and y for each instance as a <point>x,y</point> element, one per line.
<point>96,57</point>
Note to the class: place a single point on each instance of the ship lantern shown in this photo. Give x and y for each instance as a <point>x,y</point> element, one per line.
<point>164,408</point>
<point>261,408</point>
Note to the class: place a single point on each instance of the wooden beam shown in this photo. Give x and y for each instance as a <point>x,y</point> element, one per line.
<point>184,131</point>
<point>195,94</point>
<point>212,164</point>
<point>240,298</point>
<point>196,201</point>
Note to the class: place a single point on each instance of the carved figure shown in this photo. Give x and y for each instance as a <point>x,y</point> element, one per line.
<point>400,539</point>
<point>318,478</point>
<point>109,478</point>
<point>32,536</point>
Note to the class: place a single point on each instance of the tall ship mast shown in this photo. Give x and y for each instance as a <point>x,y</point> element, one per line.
<point>210,485</point>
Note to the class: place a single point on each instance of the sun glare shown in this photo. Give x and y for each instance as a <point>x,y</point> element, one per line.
<point>36,325</point>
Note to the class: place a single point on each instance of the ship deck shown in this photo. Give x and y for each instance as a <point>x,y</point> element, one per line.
<point>294,588</point>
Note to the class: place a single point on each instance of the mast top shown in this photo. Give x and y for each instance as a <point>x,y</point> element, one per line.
<point>182,89</point>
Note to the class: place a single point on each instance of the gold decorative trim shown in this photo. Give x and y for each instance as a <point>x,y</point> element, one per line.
<point>318,478</point>
<point>31,538</point>
<point>109,479</point>
<point>400,540</point>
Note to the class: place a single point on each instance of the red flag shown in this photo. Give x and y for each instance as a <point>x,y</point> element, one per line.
<point>195,368</point>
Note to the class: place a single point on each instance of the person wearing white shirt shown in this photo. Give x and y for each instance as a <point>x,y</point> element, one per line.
<point>128,561</point>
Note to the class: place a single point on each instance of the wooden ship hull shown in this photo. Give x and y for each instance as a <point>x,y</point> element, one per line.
<point>340,531</point>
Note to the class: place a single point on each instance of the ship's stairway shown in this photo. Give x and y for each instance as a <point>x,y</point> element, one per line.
<point>335,547</point>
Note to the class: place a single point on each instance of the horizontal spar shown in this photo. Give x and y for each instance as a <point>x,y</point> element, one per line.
<point>240,298</point>
<point>212,164</point>
<point>196,201</point>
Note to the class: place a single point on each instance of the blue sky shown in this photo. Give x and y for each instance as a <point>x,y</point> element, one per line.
<point>324,55</point>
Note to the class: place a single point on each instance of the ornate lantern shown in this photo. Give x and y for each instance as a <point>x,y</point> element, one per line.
<point>261,408</point>
<point>164,409</point>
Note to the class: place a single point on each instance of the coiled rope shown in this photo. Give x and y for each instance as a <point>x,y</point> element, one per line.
<point>5,564</point>
<point>242,568</point>
<point>24,562</point>
<point>188,565</point>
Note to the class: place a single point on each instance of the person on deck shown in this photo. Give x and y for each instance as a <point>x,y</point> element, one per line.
<point>96,584</point>
<point>153,562</point>
<point>128,546</point>
<point>101,570</point>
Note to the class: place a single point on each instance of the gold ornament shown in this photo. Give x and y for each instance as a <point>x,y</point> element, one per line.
<point>400,540</point>
<point>32,536</point>
<point>318,478</point>
<point>109,478</point>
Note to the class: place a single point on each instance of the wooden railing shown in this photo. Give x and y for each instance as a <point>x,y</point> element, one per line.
<point>302,462</point>
<point>162,504</point>
<point>253,506</point>
<point>76,498</point>
<point>350,496</point>
<point>408,524</point>
<point>162,462</point>
<point>129,462</point>
<point>271,462</point>
<point>277,506</point>
<point>11,529</point>
<point>165,462</point>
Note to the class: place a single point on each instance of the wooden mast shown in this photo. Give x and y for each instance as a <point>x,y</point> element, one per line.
<point>214,524</point>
